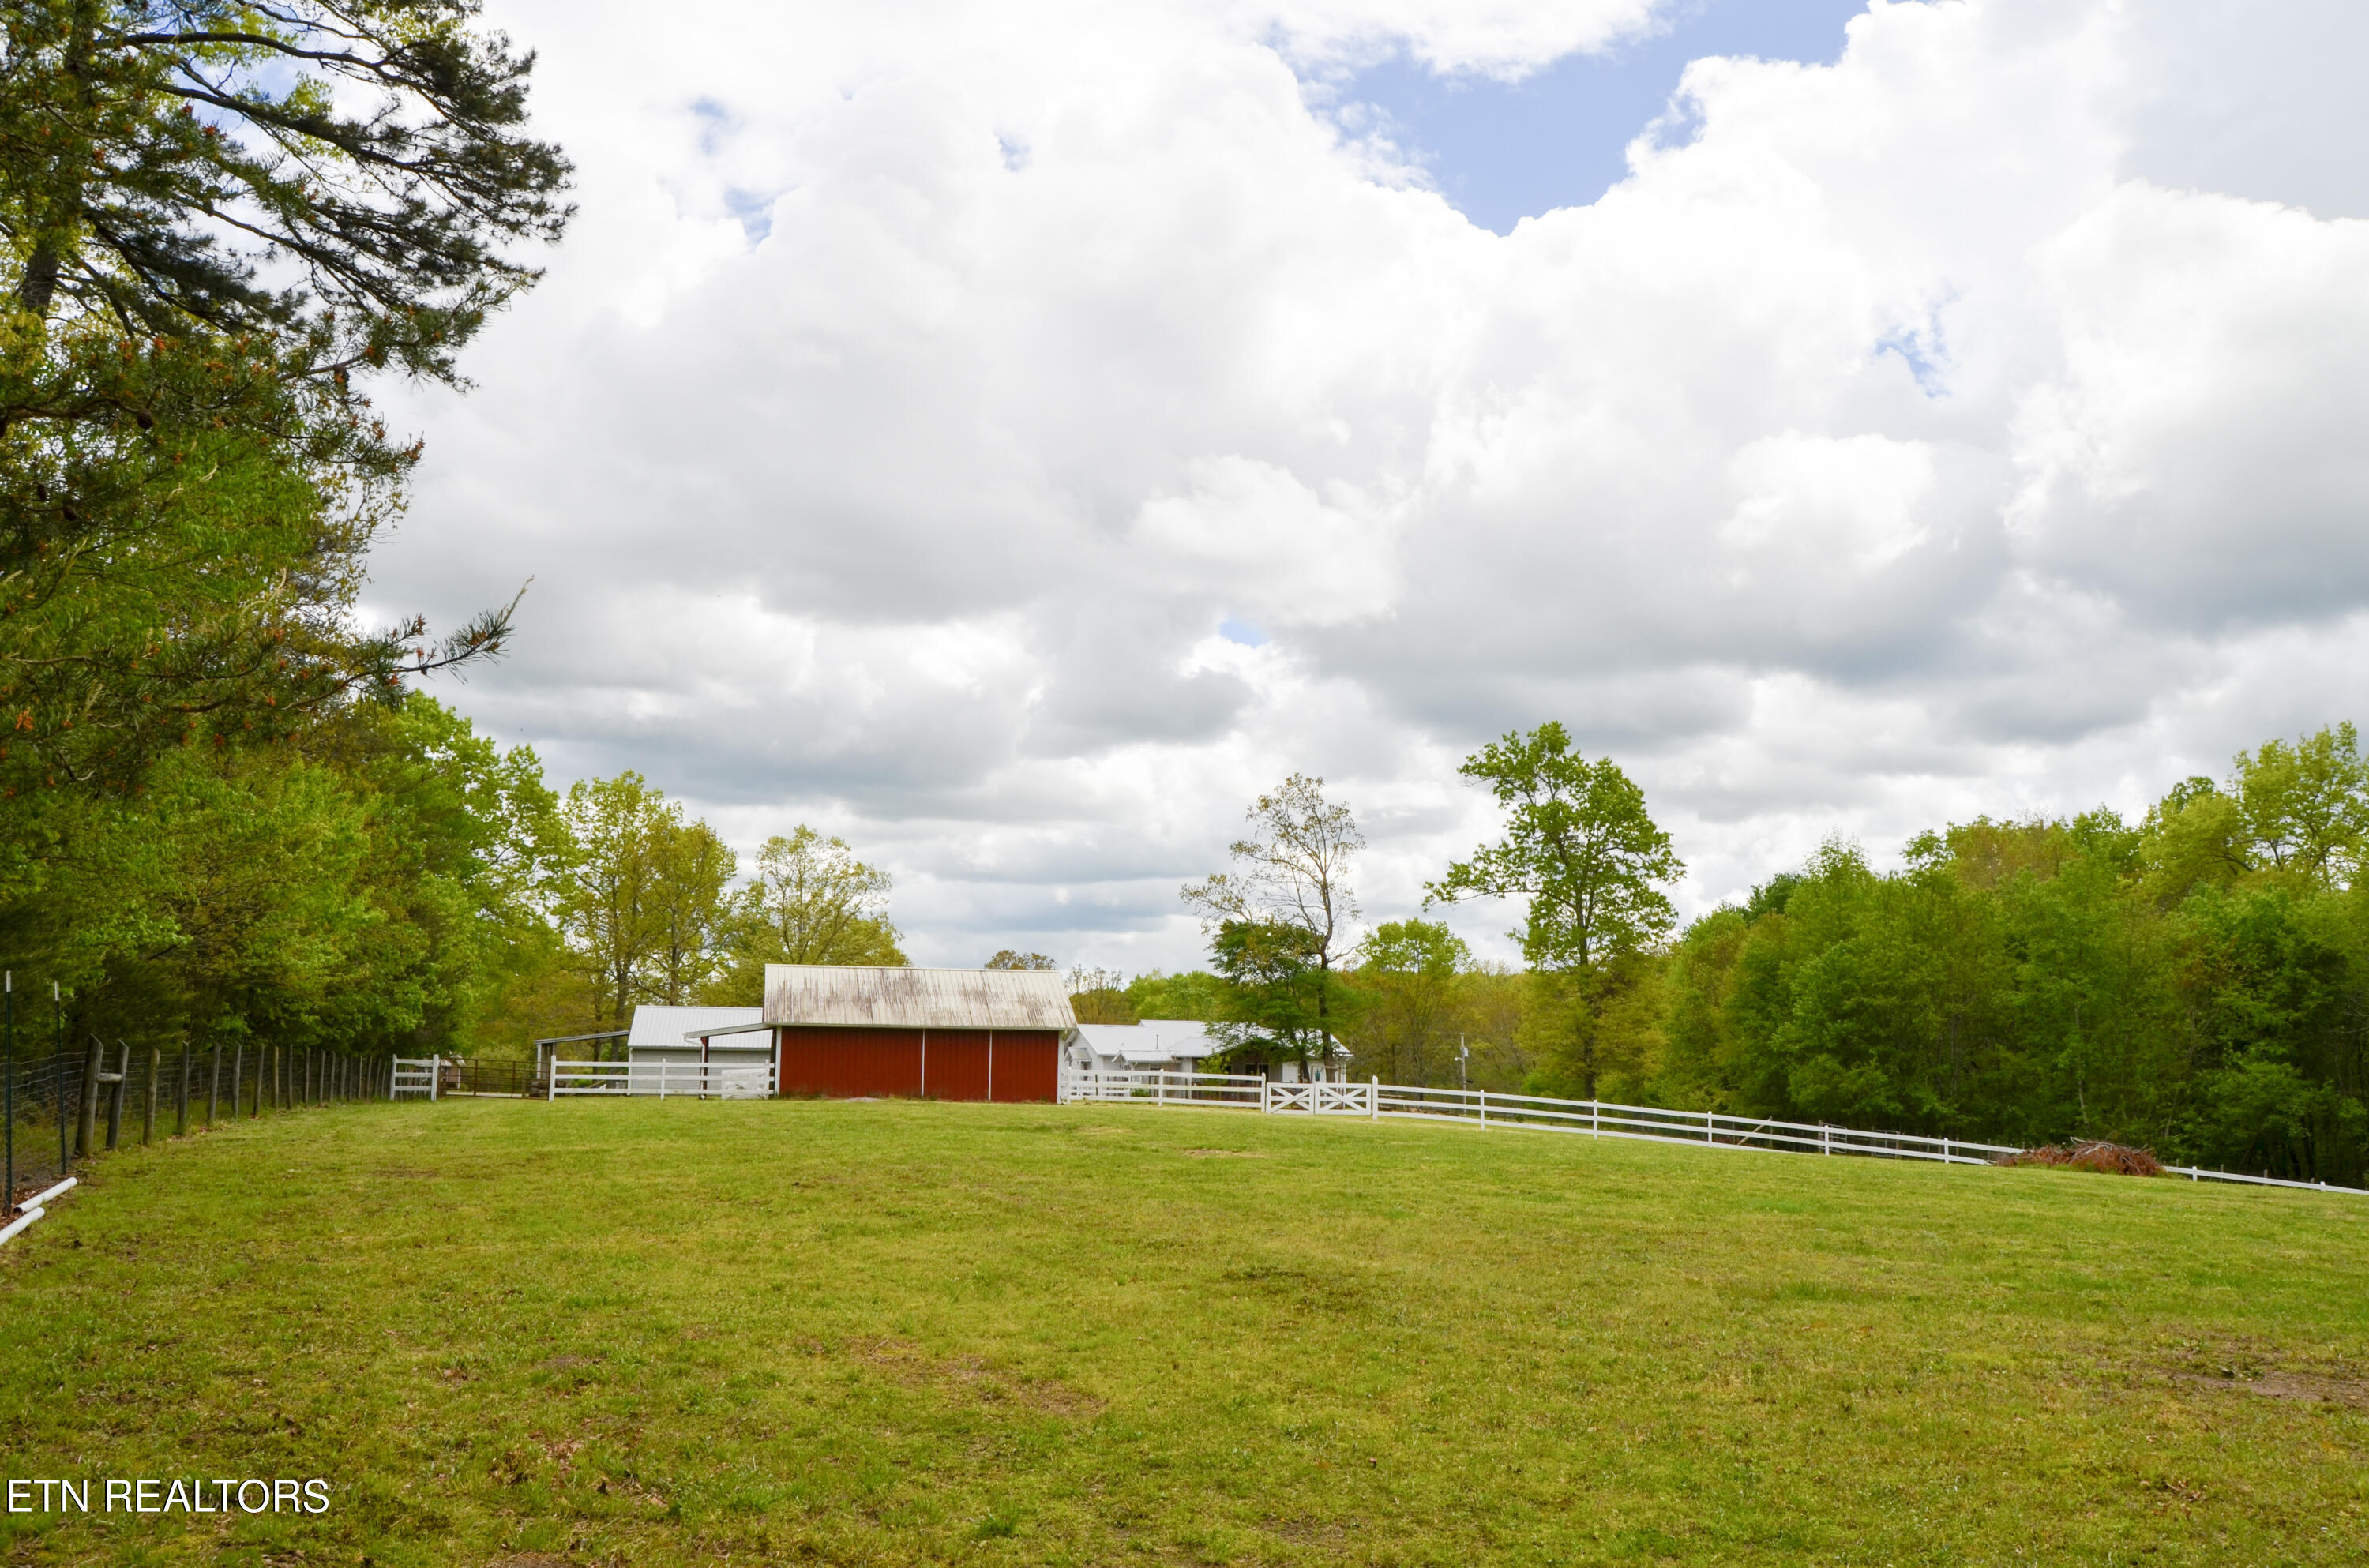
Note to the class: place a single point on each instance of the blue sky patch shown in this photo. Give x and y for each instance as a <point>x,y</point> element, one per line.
<point>1236,630</point>
<point>1502,151</point>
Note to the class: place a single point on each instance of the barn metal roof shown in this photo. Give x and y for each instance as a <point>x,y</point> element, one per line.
<point>864,996</point>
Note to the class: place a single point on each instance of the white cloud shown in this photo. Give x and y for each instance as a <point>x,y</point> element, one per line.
<point>922,390</point>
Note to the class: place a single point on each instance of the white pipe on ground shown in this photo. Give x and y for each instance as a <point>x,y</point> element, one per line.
<point>21,1221</point>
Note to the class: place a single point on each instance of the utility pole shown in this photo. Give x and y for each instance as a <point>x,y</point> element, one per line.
<point>1463,1055</point>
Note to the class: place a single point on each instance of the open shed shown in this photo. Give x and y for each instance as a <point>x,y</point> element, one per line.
<point>673,1034</point>
<point>849,1030</point>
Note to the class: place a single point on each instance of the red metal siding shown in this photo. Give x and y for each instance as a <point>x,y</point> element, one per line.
<point>845,1063</point>
<point>957,1065</point>
<point>1007,1065</point>
<point>1027,1064</point>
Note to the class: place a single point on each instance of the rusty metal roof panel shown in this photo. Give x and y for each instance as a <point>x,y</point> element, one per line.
<point>884,997</point>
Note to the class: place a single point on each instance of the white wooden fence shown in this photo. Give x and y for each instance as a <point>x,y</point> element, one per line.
<point>1244,1092</point>
<point>415,1076</point>
<point>702,1080</point>
<point>1374,1100</point>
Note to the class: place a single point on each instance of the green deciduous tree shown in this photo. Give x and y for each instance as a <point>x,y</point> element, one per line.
<point>811,902</point>
<point>1410,983</point>
<point>1582,848</point>
<point>1280,923</point>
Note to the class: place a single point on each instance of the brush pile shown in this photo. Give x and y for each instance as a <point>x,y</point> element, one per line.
<point>2109,1158</point>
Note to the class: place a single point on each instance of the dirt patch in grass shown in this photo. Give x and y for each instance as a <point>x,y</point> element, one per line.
<point>2302,1387</point>
<point>1225,1154</point>
<point>968,1381</point>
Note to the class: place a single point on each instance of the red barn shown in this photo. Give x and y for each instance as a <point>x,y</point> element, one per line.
<point>846,1030</point>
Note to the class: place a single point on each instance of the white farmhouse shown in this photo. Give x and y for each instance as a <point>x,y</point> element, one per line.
<point>1167,1044</point>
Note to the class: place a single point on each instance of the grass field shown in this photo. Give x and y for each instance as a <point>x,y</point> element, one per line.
<point>896,1333</point>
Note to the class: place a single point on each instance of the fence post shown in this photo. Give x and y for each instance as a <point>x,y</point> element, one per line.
<point>86,1124</point>
<point>1595,1118</point>
<point>1485,1105</point>
<point>1373,1098</point>
<point>115,1099</point>
<point>181,1105</point>
<point>148,1115</point>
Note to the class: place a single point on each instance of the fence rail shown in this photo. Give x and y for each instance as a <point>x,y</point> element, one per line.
<point>1244,1091</point>
<point>703,1079</point>
<point>1374,1100</point>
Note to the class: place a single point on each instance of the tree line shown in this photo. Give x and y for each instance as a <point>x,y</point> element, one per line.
<point>2196,982</point>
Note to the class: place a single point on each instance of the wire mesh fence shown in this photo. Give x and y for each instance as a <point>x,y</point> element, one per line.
<point>61,1106</point>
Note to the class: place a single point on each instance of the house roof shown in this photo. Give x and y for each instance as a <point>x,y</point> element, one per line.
<point>655,1027</point>
<point>1154,1039</point>
<point>886,997</point>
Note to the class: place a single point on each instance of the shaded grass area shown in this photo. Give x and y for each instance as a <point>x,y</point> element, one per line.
<point>897,1333</point>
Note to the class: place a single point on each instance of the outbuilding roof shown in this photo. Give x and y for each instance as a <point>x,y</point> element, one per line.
<point>656,1027</point>
<point>885,997</point>
<point>1154,1039</point>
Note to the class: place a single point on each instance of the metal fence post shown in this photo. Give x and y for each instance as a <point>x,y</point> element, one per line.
<point>65,1077</point>
<point>8,1194</point>
<point>148,1113</point>
<point>181,1105</point>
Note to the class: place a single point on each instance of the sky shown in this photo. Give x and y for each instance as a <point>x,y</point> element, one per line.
<point>1010,436</point>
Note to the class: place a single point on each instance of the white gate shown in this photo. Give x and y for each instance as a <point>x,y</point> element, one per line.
<point>1322,1099</point>
<point>415,1075</point>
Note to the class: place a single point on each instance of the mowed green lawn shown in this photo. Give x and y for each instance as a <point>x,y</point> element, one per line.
<point>899,1333</point>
